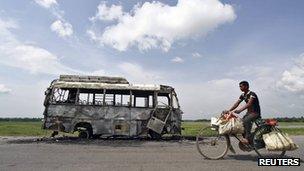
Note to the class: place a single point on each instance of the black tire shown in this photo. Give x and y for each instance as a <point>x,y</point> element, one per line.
<point>211,145</point>
<point>259,144</point>
<point>84,134</point>
<point>154,135</point>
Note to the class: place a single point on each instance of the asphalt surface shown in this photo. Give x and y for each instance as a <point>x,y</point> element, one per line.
<point>20,153</point>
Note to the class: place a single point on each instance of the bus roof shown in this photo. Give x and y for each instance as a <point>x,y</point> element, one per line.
<point>93,79</point>
<point>96,82</point>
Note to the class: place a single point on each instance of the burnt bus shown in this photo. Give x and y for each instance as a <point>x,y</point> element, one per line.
<point>110,106</point>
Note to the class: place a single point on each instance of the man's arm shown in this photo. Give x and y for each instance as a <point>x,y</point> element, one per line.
<point>250,102</point>
<point>235,105</point>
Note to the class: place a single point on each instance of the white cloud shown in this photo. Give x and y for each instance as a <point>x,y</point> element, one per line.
<point>92,35</point>
<point>157,25</point>
<point>107,13</point>
<point>177,60</point>
<point>293,79</point>
<point>46,3</point>
<point>31,58</point>
<point>62,28</point>
<point>6,36</point>
<point>6,24</point>
<point>4,89</point>
<point>196,55</point>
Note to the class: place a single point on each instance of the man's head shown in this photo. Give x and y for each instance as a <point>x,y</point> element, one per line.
<point>244,86</point>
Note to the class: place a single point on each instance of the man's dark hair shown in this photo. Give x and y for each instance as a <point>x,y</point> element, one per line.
<point>245,83</point>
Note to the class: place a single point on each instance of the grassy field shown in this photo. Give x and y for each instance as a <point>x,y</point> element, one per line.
<point>293,131</point>
<point>9,128</point>
<point>192,128</point>
<point>291,124</point>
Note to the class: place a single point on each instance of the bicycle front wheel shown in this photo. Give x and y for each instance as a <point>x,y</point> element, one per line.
<point>210,144</point>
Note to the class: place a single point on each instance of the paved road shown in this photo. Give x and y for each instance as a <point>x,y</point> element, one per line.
<point>26,154</point>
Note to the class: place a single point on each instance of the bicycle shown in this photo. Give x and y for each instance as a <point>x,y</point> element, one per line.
<point>212,145</point>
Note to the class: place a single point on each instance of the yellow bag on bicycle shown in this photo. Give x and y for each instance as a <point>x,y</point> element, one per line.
<point>278,141</point>
<point>232,126</point>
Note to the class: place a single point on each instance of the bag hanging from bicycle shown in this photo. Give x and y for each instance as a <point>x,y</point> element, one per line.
<point>232,126</point>
<point>278,141</point>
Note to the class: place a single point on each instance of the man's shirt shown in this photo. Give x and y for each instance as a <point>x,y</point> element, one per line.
<point>255,107</point>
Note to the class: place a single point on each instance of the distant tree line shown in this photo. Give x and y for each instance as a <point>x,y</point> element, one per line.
<point>293,119</point>
<point>21,119</point>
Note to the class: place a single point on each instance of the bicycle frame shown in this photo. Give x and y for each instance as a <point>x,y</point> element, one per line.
<point>260,125</point>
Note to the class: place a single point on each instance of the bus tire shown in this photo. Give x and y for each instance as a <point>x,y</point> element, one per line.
<point>85,130</point>
<point>84,134</point>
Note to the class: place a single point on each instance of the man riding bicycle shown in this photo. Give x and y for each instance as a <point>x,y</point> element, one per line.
<point>252,106</point>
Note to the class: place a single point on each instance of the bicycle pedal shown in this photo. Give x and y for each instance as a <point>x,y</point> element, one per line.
<point>244,147</point>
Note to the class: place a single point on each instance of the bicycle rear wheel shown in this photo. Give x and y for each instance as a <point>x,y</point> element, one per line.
<point>210,144</point>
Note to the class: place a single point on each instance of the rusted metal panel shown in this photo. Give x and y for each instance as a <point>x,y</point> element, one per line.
<point>156,125</point>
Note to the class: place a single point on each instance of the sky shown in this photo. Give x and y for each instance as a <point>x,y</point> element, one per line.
<point>203,48</point>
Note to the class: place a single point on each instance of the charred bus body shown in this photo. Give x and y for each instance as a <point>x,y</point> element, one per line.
<point>110,106</point>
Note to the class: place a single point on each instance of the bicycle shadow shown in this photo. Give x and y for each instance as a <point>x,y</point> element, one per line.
<point>244,157</point>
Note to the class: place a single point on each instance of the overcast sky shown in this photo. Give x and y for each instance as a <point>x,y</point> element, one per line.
<point>203,48</point>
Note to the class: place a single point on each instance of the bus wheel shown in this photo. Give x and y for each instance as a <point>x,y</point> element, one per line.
<point>84,129</point>
<point>84,133</point>
<point>154,135</point>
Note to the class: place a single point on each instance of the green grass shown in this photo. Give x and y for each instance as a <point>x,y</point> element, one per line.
<point>291,124</point>
<point>16,128</point>
<point>293,131</point>
<point>8,128</point>
<point>19,128</point>
<point>192,128</point>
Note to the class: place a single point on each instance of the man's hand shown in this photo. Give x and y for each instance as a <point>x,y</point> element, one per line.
<point>225,111</point>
